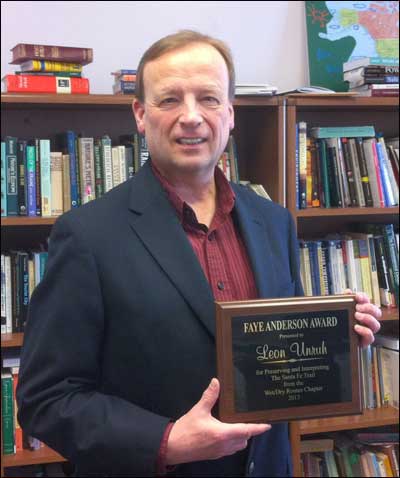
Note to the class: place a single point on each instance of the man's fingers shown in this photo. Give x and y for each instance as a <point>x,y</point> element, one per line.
<point>246,430</point>
<point>210,396</point>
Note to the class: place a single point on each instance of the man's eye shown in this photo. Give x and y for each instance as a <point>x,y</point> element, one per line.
<point>211,100</point>
<point>168,101</point>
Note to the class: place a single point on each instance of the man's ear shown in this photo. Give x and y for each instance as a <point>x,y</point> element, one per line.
<point>231,117</point>
<point>139,113</point>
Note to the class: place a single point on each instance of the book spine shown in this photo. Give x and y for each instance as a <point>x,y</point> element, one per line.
<point>7,414</point>
<point>392,180</point>
<point>54,66</point>
<point>37,176</point>
<point>56,183</point>
<point>45,177</point>
<point>390,240</point>
<point>66,183</point>
<point>9,295</point>
<point>31,179</point>
<point>364,173</point>
<point>303,164</point>
<point>387,187</point>
<point>98,169</point>
<point>86,153</point>
<point>12,176</point>
<point>73,165</point>
<point>3,180</point>
<point>357,172</point>
<point>46,84</point>
<point>21,164</point>
<point>343,131</point>
<point>349,172</point>
<point>379,178</point>
<point>322,154</point>
<point>107,163</point>
<point>24,51</point>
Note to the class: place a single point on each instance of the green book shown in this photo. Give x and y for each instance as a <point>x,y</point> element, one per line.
<point>7,413</point>
<point>342,132</point>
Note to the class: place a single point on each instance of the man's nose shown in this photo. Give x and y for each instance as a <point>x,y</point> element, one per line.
<point>191,114</point>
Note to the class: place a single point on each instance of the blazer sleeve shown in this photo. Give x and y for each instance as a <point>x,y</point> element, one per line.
<point>294,257</point>
<point>59,392</point>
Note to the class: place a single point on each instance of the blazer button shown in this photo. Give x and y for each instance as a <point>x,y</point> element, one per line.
<point>220,285</point>
<point>251,467</point>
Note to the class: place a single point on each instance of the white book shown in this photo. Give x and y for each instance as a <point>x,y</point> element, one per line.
<point>45,177</point>
<point>9,295</point>
<point>122,163</point>
<point>3,295</point>
<point>116,172</point>
<point>106,156</point>
<point>86,156</point>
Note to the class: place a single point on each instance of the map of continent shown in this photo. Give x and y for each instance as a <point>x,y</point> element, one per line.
<point>341,31</point>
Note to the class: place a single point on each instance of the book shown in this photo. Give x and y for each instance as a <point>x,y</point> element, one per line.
<point>27,51</point>
<point>342,131</point>
<point>366,61</point>
<point>44,65</point>
<point>3,180</point>
<point>45,84</point>
<point>7,413</point>
<point>387,341</point>
<point>124,71</point>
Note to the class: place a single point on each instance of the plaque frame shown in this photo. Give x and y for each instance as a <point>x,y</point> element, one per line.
<point>226,311</point>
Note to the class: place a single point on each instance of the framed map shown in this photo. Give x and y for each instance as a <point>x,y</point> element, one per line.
<point>342,31</point>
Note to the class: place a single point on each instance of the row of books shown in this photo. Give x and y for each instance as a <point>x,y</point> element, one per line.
<point>345,167</point>
<point>354,454</point>
<point>373,80</point>
<point>360,261</point>
<point>14,439</point>
<point>21,272</point>
<point>43,177</point>
<point>124,82</point>
<point>380,373</point>
<point>48,69</point>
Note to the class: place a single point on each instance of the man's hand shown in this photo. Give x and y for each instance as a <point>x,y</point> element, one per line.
<point>368,316</point>
<point>199,436</point>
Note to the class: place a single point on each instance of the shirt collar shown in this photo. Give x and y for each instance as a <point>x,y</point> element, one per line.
<point>225,194</point>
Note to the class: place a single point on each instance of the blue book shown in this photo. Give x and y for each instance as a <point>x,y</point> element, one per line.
<point>11,176</point>
<point>31,179</point>
<point>3,180</point>
<point>315,277</point>
<point>387,188</point>
<point>297,169</point>
<point>45,177</point>
<point>342,131</point>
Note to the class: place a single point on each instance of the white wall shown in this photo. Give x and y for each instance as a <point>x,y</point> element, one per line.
<point>268,39</point>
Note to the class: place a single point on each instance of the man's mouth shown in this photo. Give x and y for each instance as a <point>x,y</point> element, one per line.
<point>191,141</point>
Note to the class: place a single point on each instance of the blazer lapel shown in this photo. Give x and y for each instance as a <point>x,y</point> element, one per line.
<point>252,227</point>
<point>155,222</point>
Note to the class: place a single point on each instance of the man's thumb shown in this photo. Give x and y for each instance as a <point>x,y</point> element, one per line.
<point>210,395</point>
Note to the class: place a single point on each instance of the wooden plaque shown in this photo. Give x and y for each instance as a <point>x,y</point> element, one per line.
<point>287,359</point>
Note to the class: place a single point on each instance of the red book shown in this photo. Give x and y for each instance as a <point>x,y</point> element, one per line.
<point>27,51</point>
<point>45,84</point>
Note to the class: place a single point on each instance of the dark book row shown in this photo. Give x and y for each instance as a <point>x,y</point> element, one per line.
<point>346,167</point>
<point>365,261</point>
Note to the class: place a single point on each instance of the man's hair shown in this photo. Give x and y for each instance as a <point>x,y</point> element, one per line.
<point>179,40</point>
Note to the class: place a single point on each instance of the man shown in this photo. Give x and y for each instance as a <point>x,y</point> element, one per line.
<point>119,354</point>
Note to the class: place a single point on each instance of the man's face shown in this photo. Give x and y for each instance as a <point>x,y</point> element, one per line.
<point>186,116</point>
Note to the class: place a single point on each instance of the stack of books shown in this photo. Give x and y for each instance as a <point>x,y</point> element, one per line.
<point>372,77</point>
<point>48,69</point>
<point>124,82</point>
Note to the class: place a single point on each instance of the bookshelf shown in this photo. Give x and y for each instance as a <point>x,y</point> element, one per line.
<point>265,138</point>
<point>259,127</point>
<point>316,222</point>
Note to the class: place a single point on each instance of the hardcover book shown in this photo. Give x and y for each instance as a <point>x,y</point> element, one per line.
<point>45,84</point>
<point>27,51</point>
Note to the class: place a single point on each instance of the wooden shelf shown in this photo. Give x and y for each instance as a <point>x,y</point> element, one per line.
<point>12,340</point>
<point>27,221</point>
<point>370,418</point>
<point>24,99</point>
<point>32,457</point>
<point>347,211</point>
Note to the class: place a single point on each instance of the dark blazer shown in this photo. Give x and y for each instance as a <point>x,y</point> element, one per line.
<point>120,332</point>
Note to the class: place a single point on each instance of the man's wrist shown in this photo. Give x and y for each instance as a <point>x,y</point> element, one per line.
<point>162,467</point>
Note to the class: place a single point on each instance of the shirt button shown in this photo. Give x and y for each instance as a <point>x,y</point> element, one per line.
<point>211,236</point>
<point>251,468</point>
<point>220,285</point>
